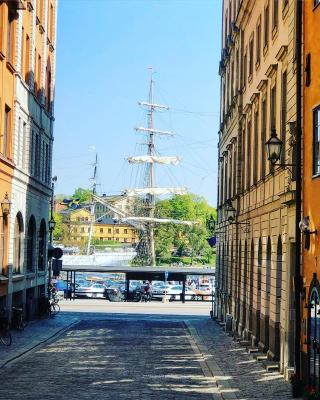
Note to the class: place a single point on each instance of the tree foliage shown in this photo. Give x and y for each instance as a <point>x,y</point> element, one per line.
<point>82,194</point>
<point>182,240</point>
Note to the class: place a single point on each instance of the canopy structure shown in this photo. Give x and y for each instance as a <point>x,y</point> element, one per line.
<point>158,220</point>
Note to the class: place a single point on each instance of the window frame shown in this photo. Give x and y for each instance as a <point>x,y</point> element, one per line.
<point>315,111</point>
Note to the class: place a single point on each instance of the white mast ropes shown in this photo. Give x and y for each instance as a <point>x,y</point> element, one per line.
<point>151,190</point>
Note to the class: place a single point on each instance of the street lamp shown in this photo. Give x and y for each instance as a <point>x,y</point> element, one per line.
<point>6,205</point>
<point>52,224</point>
<point>211,223</point>
<point>274,147</point>
<point>231,214</point>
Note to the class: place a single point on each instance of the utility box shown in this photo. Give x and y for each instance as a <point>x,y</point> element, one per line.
<point>229,323</point>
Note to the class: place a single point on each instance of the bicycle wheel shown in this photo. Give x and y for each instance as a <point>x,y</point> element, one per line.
<point>54,308</point>
<point>5,337</point>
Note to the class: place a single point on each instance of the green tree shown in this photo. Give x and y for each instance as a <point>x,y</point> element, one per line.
<point>82,194</point>
<point>184,240</point>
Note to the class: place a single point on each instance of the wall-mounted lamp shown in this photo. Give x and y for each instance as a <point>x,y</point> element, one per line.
<point>274,148</point>
<point>6,206</point>
<point>231,214</point>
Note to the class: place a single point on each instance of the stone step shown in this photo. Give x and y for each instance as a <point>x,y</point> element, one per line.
<point>244,343</point>
<point>271,366</point>
<point>260,357</point>
<point>252,350</point>
<point>222,324</point>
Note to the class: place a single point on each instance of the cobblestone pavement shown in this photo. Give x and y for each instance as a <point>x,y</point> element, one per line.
<point>133,356</point>
<point>112,359</point>
<point>237,375</point>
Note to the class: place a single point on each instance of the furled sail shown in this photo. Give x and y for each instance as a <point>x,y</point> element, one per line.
<point>158,220</point>
<point>154,159</point>
<point>155,191</point>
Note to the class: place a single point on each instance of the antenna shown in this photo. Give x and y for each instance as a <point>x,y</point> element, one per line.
<point>93,202</point>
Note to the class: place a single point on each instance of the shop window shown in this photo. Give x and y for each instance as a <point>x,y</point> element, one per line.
<point>31,244</point>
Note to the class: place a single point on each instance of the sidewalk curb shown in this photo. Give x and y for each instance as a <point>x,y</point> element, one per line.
<point>225,390</point>
<point>38,345</point>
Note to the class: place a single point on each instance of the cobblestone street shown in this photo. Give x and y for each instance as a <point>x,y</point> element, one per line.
<point>135,356</point>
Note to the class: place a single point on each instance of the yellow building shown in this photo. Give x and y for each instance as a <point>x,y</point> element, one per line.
<point>8,39</point>
<point>256,200</point>
<point>105,229</point>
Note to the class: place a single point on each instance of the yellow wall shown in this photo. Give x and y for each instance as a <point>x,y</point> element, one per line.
<point>311,185</point>
<point>7,90</point>
<point>79,221</point>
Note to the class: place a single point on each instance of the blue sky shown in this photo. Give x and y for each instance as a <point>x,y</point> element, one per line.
<point>104,49</point>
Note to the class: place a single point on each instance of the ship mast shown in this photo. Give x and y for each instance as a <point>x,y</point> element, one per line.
<point>93,203</point>
<point>150,199</point>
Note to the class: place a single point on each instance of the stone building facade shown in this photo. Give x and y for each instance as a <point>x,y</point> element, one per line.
<point>32,122</point>
<point>255,248</point>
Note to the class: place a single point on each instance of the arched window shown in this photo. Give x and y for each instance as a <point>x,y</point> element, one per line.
<point>31,244</point>
<point>17,245</point>
<point>251,280</point>
<point>268,275</point>
<point>314,338</point>
<point>42,245</point>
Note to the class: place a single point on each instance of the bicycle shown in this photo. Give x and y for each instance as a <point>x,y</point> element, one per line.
<point>18,321</point>
<point>5,335</point>
<point>48,308</point>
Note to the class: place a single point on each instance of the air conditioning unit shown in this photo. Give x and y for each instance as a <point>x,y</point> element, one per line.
<point>229,323</point>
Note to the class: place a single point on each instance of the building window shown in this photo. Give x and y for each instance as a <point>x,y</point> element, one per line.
<point>245,70</point>
<point>17,245</point>
<point>37,158</point>
<point>256,135</point>
<point>316,141</point>
<point>275,14</point>
<point>258,43</point>
<point>284,115</point>
<point>101,230</point>
<point>82,230</point>
<point>7,127</point>
<point>109,230</point>
<point>117,230</point>
<point>10,37</point>
<point>42,245</point>
<point>27,59</point>
<point>126,231</point>
<point>315,3</point>
<point>248,152</point>
<point>263,138</point>
<point>266,26</point>
<point>31,244</point>
<point>273,107</point>
<point>251,58</point>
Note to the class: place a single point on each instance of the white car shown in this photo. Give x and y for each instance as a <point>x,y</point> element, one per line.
<point>94,291</point>
<point>175,293</point>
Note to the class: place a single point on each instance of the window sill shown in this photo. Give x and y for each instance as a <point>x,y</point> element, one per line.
<point>316,176</point>
<point>2,56</point>
<point>11,67</point>
<point>257,64</point>
<point>250,78</point>
<point>274,33</point>
<point>31,275</point>
<point>285,11</point>
<point>17,277</point>
<point>316,6</point>
<point>265,50</point>
<point>41,273</point>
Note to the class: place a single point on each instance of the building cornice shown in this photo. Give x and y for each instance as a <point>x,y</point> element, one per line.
<point>272,69</point>
<point>262,84</point>
<point>283,51</point>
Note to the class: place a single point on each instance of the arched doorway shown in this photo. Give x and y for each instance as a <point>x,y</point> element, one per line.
<point>259,280</point>
<point>314,338</point>
<point>267,294</point>
<point>251,280</point>
<point>276,349</point>
<point>245,277</point>
<point>42,245</point>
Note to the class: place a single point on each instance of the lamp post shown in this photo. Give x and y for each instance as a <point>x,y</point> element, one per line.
<point>52,224</point>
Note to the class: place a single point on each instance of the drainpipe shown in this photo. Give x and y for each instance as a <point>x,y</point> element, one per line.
<point>297,274</point>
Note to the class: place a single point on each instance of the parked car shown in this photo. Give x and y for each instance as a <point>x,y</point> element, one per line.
<point>204,289</point>
<point>93,291</point>
<point>175,293</point>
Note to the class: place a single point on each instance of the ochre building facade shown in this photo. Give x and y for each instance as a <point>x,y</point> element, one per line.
<point>255,249</point>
